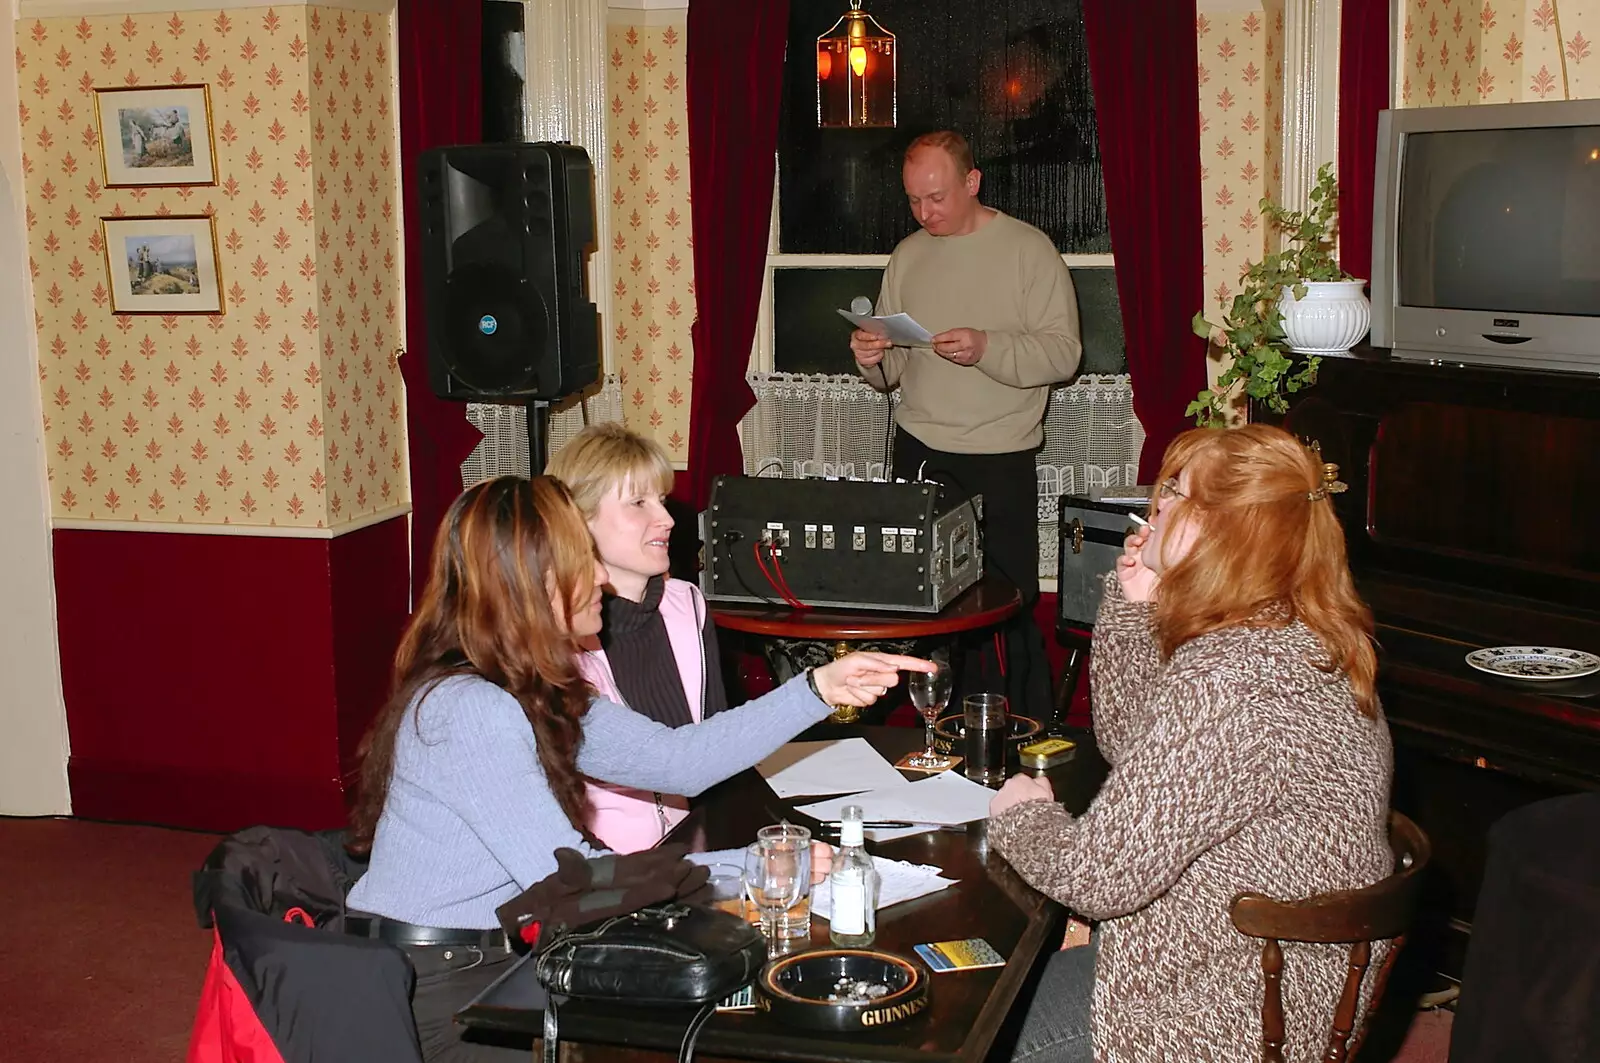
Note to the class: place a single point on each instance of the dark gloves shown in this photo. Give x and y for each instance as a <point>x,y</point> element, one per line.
<point>587,890</point>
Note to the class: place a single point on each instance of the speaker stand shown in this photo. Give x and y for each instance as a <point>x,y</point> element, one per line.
<point>538,435</point>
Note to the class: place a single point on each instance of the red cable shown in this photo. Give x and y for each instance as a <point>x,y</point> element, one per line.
<point>783,582</point>
<point>1000,653</point>
<point>755,548</point>
<point>777,566</point>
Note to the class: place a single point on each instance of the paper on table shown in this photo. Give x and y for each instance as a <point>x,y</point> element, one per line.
<point>840,766</point>
<point>901,328</point>
<point>898,881</point>
<point>946,798</point>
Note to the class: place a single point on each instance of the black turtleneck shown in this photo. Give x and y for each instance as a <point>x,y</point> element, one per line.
<point>634,636</point>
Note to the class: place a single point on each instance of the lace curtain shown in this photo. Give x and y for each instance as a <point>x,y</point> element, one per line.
<point>504,449</point>
<point>817,425</point>
<point>820,425</point>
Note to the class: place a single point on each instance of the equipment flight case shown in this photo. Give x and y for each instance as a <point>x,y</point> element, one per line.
<point>1091,533</point>
<point>849,544</point>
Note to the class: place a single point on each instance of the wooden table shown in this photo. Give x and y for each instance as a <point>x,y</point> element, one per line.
<point>987,603</point>
<point>970,1011</point>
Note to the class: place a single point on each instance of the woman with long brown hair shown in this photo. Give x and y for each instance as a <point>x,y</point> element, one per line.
<point>473,774</point>
<point>1233,676</point>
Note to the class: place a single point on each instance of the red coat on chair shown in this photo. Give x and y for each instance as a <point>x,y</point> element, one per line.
<point>284,984</point>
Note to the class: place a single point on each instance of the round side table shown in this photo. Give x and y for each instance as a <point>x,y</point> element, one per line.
<point>825,634</point>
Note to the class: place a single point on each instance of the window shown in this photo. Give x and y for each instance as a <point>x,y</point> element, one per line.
<point>1015,83</point>
<point>1016,86</point>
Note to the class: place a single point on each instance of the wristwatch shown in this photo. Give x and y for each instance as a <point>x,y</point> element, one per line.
<point>811,681</point>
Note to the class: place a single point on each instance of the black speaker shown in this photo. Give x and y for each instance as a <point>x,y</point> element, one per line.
<point>504,233</point>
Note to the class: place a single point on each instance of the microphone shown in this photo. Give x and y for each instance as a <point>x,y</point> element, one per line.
<point>862,305</point>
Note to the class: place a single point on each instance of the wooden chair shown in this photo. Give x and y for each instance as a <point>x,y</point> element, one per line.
<point>1355,917</point>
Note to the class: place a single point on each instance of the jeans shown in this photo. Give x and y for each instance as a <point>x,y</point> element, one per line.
<point>1056,1027</point>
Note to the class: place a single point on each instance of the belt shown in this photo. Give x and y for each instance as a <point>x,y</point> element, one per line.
<point>410,935</point>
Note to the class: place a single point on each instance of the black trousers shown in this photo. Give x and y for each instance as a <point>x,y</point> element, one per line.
<point>1531,989</point>
<point>1010,491</point>
<point>447,980</point>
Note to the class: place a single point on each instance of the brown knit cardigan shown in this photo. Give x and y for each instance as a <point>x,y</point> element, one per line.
<point>1236,765</point>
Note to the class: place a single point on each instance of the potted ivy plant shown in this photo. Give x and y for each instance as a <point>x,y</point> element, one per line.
<point>1294,307</point>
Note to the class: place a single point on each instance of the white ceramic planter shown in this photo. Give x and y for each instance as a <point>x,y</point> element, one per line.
<point>1331,318</point>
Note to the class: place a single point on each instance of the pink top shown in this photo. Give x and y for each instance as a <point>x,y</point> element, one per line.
<point>627,820</point>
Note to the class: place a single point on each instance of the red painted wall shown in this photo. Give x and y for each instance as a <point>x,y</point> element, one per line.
<point>216,681</point>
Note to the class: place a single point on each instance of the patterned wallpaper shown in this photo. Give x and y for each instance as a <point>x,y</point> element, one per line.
<point>651,243</point>
<point>1502,51</point>
<point>1241,129</point>
<point>356,204</point>
<point>286,410</point>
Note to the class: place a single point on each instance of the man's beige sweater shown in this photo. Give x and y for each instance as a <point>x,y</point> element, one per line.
<point>1008,280</point>
<point>1236,765</point>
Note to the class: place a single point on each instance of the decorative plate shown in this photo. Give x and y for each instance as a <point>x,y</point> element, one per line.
<point>1534,662</point>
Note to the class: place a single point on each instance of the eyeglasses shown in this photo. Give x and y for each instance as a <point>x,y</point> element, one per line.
<point>1169,489</point>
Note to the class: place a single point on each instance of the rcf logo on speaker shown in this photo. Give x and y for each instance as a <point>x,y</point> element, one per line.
<point>487,324</point>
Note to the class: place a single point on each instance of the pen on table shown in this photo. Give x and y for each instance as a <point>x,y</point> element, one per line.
<point>895,824</point>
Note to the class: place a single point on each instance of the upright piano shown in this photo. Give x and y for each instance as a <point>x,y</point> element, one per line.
<point>1473,519</point>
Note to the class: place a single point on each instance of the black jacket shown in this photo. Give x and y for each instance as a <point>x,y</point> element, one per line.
<point>281,968</point>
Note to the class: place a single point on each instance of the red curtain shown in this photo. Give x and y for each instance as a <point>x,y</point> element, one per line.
<point>734,52</point>
<point>1144,67</point>
<point>441,103</point>
<point>1363,92</point>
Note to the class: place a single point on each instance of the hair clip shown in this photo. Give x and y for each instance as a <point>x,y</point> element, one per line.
<point>1331,484</point>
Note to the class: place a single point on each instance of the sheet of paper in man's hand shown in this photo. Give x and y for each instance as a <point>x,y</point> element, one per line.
<point>900,328</point>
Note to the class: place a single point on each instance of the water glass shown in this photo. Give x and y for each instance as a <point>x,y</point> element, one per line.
<point>796,921</point>
<point>775,870</point>
<point>986,721</point>
<point>930,693</point>
<point>726,884</point>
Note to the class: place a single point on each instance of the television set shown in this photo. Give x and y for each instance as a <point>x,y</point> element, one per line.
<point>1486,235</point>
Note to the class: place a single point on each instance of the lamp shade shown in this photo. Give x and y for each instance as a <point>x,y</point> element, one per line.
<point>856,73</point>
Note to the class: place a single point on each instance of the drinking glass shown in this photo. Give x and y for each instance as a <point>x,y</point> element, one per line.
<point>987,722</point>
<point>930,693</point>
<point>726,883</point>
<point>796,921</point>
<point>774,872</point>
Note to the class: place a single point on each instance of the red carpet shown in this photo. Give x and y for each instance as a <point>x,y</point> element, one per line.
<point>100,955</point>
<point>101,958</point>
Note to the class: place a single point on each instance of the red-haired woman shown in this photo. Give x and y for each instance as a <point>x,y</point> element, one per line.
<point>1233,697</point>
<point>473,775</point>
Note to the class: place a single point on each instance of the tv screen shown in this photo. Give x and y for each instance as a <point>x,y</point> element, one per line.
<point>1501,219</point>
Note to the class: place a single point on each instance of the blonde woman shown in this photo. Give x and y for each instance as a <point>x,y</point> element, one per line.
<point>1233,677</point>
<point>657,649</point>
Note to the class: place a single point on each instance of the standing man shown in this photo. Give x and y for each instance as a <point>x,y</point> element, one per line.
<point>998,299</point>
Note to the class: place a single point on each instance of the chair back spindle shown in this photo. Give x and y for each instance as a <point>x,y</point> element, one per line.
<point>1272,1002</point>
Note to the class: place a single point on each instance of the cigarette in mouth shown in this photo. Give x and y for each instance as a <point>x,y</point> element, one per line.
<point>1139,520</point>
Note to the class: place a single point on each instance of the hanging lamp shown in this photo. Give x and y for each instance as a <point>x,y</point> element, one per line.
<point>856,73</point>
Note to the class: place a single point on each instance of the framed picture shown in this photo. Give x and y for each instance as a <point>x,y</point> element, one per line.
<point>156,136</point>
<point>163,265</point>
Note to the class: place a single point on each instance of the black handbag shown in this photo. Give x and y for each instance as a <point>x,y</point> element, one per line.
<point>665,955</point>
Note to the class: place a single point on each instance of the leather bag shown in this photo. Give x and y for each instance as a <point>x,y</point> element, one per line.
<point>666,955</point>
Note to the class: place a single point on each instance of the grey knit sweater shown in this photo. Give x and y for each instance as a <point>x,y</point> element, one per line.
<point>1236,765</point>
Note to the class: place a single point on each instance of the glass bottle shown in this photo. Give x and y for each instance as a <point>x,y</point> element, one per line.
<point>854,884</point>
